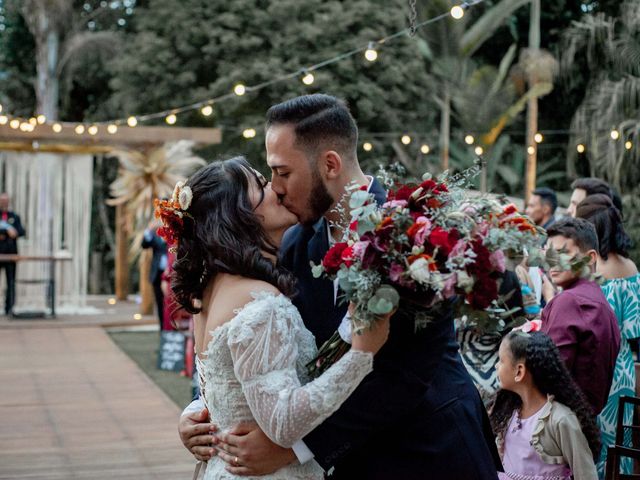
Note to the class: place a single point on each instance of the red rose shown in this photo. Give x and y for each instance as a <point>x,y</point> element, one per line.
<point>428,185</point>
<point>509,209</point>
<point>404,192</point>
<point>443,239</point>
<point>347,256</point>
<point>333,258</point>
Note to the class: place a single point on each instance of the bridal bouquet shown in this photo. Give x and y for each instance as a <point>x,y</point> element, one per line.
<point>430,242</point>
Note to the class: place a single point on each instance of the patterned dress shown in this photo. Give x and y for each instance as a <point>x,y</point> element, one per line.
<point>623,294</point>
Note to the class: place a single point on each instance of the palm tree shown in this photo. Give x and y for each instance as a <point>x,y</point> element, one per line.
<point>612,98</point>
<point>60,40</point>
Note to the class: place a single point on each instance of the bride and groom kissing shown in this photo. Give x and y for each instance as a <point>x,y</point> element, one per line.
<point>398,404</point>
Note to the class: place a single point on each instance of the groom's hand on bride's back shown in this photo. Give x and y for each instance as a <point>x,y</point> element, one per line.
<point>248,451</point>
<point>196,434</point>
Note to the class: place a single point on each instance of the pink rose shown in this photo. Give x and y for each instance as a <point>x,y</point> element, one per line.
<point>497,259</point>
<point>419,230</point>
<point>395,203</point>
<point>359,248</point>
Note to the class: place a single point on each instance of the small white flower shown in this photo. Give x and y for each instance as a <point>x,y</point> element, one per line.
<point>419,271</point>
<point>184,197</point>
<point>176,191</point>
<point>465,281</point>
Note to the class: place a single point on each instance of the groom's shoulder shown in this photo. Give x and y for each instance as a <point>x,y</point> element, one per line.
<point>291,237</point>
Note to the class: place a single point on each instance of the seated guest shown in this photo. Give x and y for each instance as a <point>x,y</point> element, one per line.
<point>541,207</point>
<point>622,290</point>
<point>583,187</point>
<point>579,320</point>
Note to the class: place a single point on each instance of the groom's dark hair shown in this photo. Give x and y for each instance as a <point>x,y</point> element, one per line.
<point>319,121</point>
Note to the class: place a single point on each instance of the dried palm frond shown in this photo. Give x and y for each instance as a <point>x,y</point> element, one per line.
<point>144,176</point>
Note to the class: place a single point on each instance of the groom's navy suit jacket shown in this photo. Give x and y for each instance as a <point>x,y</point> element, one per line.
<point>418,414</point>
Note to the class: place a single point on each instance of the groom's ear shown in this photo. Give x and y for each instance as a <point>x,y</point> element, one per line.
<point>331,164</point>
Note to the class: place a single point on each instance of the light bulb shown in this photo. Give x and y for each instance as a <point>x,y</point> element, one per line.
<point>3,119</point>
<point>371,53</point>
<point>33,121</point>
<point>41,119</point>
<point>93,129</point>
<point>531,149</point>
<point>113,128</point>
<point>56,127</point>
<point>580,148</point>
<point>425,149</point>
<point>15,123</point>
<point>79,129</point>
<point>479,150</point>
<point>457,12</point>
<point>249,133</point>
<point>367,147</point>
<point>239,89</point>
<point>406,139</point>
<point>24,127</point>
<point>538,137</point>
<point>308,79</point>
<point>171,119</point>
<point>615,134</point>
<point>469,139</point>
<point>132,121</point>
<point>628,145</point>
<point>137,316</point>
<point>206,110</point>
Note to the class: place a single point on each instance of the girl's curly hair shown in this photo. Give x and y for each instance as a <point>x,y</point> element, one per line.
<point>222,234</point>
<point>551,377</point>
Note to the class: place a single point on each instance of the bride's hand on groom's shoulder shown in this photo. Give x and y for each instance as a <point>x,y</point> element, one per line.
<point>248,451</point>
<point>196,434</point>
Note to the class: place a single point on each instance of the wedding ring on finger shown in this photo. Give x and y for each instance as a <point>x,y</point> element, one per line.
<point>235,462</point>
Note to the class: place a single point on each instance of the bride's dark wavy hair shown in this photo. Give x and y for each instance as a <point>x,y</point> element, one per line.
<point>551,377</point>
<point>223,234</point>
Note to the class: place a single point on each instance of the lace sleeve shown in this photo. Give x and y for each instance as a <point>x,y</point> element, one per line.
<point>263,347</point>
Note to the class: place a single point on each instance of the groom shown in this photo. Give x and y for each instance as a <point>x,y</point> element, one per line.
<point>418,414</point>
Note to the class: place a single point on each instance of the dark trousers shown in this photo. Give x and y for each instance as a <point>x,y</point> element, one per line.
<point>157,292</point>
<point>10,298</point>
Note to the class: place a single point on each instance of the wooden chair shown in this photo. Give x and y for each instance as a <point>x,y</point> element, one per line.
<point>622,448</point>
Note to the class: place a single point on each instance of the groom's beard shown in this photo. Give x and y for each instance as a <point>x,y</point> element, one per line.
<point>320,201</point>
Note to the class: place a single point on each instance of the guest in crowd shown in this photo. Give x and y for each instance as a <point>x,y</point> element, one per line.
<point>583,187</point>
<point>543,422</point>
<point>10,229</point>
<point>579,320</point>
<point>158,265</point>
<point>622,290</point>
<point>541,207</point>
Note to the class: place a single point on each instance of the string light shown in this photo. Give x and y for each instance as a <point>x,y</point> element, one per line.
<point>615,134</point>
<point>308,79</point>
<point>15,123</point>
<point>3,119</point>
<point>25,126</point>
<point>41,119</point>
<point>249,133</point>
<point>628,145</point>
<point>457,12</point>
<point>479,150</point>
<point>425,149</point>
<point>93,130</point>
<point>367,147</point>
<point>79,129</point>
<point>239,89</point>
<point>531,149</point>
<point>171,119</point>
<point>206,110</point>
<point>56,127</point>
<point>538,137</point>
<point>406,139</point>
<point>112,301</point>
<point>137,316</point>
<point>371,53</point>
<point>33,121</point>
<point>580,148</point>
<point>132,121</point>
<point>469,139</point>
<point>112,128</point>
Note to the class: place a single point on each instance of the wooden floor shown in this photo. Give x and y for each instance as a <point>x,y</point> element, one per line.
<point>73,406</point>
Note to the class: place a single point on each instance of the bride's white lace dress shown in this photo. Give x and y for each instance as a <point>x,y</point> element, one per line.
<point>253,370</point>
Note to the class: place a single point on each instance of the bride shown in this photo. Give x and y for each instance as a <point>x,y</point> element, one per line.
<point>251,344</point>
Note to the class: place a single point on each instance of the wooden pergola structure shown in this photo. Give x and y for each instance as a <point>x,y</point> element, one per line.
<point>43,138</point>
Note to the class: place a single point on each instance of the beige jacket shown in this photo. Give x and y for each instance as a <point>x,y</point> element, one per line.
<point>558,439</point>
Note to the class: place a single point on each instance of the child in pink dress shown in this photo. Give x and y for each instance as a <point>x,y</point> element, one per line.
<point>544,425</point>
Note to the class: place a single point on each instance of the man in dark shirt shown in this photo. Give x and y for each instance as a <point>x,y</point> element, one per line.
<point>10,230</point>
<point>579,320</point>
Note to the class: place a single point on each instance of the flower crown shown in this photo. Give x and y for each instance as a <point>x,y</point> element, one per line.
<point>172,213</point>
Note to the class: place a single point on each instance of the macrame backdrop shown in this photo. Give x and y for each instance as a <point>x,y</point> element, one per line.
<point>52,194</point>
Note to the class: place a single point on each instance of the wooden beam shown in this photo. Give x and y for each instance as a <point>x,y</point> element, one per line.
<point>124,136</point>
